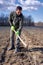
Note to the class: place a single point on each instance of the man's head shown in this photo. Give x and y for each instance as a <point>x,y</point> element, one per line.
<point>18,10</point>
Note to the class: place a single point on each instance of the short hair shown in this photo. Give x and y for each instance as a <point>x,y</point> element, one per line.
<point>19,7</point>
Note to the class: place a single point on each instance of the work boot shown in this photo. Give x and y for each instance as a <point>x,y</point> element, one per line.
<point>11,48</point>
<point>17,50</point>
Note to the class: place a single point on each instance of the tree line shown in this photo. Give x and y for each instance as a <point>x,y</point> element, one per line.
<point>28,21</point>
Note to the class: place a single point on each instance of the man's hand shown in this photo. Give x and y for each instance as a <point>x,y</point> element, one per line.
<point>17,32</point>
<point>12,28</point>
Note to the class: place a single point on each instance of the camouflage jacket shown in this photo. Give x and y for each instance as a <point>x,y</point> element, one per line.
<point>16,20</point>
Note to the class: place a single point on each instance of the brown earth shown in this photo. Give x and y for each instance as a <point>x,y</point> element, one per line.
<point>32,55</point>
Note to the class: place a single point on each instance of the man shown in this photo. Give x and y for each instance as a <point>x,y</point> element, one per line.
<point>16,23</point>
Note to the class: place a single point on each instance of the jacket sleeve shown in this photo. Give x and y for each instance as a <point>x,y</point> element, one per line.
<point>21,23</point>
<point>10,20</point>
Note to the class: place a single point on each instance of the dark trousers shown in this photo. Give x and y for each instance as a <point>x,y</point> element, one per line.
<point>14,40</point>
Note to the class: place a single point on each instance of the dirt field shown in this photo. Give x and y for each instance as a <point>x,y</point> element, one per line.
<point>32,55</point>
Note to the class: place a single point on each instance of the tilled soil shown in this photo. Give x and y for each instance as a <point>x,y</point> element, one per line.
<point>31,55</point>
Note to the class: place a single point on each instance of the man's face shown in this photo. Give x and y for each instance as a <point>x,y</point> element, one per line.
<point>18,12</point>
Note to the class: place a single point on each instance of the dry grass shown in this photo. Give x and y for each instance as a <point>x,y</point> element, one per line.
<point>31,56</point>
